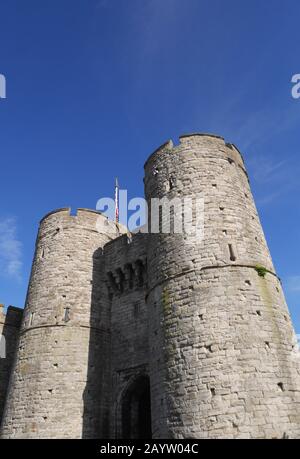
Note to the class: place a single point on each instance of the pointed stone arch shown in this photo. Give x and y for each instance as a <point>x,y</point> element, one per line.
<point>135,409</point>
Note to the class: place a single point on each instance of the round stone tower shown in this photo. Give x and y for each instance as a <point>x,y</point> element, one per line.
<point>59,387</point>
<point>224,358</point>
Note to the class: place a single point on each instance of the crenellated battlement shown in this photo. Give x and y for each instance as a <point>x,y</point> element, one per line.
<point>197,135</point>
<point>125,262</point>
<point>85,219</point>
<point>63,211</point>
<point>12,316</point>
<point>202,141</point>
<point>165,146</point>
<point>67,212</point>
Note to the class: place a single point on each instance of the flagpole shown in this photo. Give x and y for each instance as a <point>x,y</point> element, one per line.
<point>117,201</point>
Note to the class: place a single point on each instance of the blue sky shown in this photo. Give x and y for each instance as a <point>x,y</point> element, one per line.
<point>94,86</point>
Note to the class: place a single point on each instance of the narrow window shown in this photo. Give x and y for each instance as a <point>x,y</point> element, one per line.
<point>171,183</point>
<point>281,387</point>
<point>172,217</point>
<point>31,319</point>
<point>120,280</point>
<point>112,282</point>
<point>67,315</point>
<point>160,219</point>
<point>231,253</point>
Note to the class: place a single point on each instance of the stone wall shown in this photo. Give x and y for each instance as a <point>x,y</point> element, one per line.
<point>125,266</point>
<point>201,316</point>
<point>222,346</point>
<point>60,376</point>
<point>9,332</point>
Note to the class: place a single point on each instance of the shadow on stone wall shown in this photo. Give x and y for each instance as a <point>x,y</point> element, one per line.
<point>9,329</point>
<point>97,392</point>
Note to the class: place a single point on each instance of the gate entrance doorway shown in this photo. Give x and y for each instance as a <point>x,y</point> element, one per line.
<point>136,410</point>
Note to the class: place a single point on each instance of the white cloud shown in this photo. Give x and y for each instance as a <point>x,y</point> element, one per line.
<point>293,284</point>
<point>10,249</point>
<point>267,170</point>
<point>270,197</point>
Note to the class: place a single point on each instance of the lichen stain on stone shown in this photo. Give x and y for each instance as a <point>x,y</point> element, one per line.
<point>170,348</point>
<point>166,301</point>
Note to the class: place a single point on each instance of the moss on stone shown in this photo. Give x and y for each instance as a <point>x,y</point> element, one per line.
<point>261,270</point>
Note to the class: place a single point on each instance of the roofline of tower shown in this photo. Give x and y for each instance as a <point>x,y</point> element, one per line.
<point>161,147</point>
<point>120,227</point>
<point>203,134</point>
<point>68,209</point>
<point>93,211</point>
<point>61,209</point>
<point>238,150</point>
<point>171,144</point>
<point>15,308</point>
